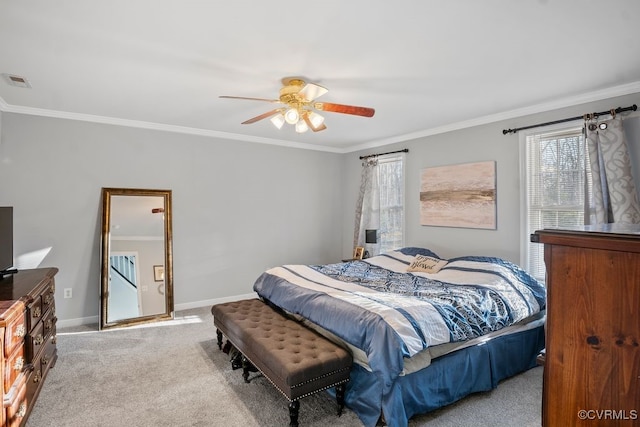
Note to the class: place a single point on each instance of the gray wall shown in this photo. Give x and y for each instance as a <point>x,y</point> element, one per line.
<point>238,207</point>
<point>474,144</point>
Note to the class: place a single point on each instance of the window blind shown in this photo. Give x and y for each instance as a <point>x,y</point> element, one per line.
<point>391,192</point>
<point>556,178</point>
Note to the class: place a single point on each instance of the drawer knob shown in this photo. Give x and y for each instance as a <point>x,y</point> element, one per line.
<point>21,331</point>
<point>48,325</point>
<point>47,299</point>
<point>39,339</point>
<point>37,312</point>
<point>45,360</point>
<point>37,377</point>
<point>18,364</point>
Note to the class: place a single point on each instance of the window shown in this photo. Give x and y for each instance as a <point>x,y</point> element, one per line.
<point>391,191</point>
<point>554,186</point>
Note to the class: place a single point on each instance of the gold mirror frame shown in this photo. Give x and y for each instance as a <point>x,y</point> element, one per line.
<point>107,194</point>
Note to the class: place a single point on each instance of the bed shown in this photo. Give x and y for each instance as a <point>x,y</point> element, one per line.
<point>424,332</point>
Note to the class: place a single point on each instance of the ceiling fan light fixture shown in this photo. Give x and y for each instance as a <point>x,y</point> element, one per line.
<point>278,121</point>
<point>291,116</point>
<point>301,126</point>
<point>297,100</point>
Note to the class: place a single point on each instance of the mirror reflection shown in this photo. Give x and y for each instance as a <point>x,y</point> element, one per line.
<point>137,280</point>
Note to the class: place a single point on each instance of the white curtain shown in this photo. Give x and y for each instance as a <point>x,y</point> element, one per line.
<point>367,206</point>
<point>615,198</point>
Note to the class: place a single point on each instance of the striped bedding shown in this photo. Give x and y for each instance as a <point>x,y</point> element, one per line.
<point>390,314</point>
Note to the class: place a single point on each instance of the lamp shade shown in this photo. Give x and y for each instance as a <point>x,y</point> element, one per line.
<point>315,119</point>
<point>278,121</point>
<point>291,116</point>
<point>301,126</point>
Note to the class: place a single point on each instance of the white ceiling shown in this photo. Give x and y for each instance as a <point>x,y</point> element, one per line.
<point>425,66</point>
<point>132,217</point>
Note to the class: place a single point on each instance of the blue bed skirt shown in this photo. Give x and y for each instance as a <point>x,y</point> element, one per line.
<point>449,378</point>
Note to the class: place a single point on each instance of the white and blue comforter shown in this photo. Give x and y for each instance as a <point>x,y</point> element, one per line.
<point>380,308</point>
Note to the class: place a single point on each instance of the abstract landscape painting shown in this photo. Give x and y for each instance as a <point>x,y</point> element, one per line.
<point>461,195</point>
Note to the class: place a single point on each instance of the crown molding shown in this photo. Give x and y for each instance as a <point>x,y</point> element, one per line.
<point>570,101</point>
<point>159,126</point>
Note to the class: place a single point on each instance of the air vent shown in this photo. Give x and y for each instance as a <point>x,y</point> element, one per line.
<point>17,81</point>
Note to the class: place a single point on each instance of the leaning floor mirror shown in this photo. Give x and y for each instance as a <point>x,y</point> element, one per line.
<point>136,257</point>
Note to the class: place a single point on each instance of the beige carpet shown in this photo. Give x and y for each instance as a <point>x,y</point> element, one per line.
<point>172,374</point>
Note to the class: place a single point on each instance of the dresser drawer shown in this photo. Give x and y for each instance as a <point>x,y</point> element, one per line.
<point>34,381</point>
<point>49,356</point>
<point>35,341</point>
<point>15,403</point>
<point>49,323</point>
<point>34,312</point>
<point>47,295</point>
<point>15,326</point>
<point>13,367</point>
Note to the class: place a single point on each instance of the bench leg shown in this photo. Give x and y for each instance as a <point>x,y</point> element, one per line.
<point>340,388</point>
<point>219,336</point>
<point>294,409</point>
<point>245,369</point>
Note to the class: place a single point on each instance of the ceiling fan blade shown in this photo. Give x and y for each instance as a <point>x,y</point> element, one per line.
<point>345,109</point>
<point>313,128</point>
<point>250,99</point>
<point>311,91</point>
<point>262,116</point>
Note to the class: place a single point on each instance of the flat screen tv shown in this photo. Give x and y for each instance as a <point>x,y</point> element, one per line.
<point>6,240</point>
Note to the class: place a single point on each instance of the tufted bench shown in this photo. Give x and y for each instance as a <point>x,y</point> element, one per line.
<point>298,361</point>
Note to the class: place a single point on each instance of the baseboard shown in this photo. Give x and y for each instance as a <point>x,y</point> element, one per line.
<point>67,323</point>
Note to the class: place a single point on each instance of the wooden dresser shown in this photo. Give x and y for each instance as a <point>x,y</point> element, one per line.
<point>592,365</point>
<point>28,332</point>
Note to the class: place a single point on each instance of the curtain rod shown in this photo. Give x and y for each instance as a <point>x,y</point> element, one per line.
<point>406,150</point>
<point>634,107</point>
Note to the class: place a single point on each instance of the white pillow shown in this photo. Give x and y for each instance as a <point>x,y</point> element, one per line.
<point>426,264</point>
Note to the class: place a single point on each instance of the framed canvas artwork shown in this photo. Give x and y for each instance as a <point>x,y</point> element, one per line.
<point>461,195</point>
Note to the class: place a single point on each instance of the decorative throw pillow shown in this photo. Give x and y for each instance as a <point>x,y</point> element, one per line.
<point>426,264</point>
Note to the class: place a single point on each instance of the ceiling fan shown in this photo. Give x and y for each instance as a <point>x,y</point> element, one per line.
<point>299,105</point>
